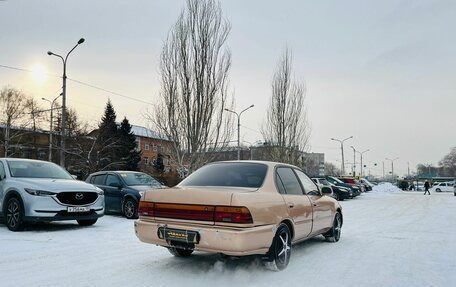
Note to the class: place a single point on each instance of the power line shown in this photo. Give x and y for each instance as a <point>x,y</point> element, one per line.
<point>108,91</point>
<point>81,83</point>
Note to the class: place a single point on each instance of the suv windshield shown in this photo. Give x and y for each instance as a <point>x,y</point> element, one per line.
<point>334,180</point>
<point>36,169</point>
<point>139,178</point>
<point>228,174</point>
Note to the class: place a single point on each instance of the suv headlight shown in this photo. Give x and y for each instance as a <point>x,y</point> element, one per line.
<point>38,192</point>
<point>99,191</point>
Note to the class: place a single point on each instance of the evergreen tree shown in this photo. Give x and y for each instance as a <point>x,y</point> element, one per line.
<point>127,150</point>
<point>108,140</point>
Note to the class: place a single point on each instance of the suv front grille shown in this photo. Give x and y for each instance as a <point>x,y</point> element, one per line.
<point>77,198</point>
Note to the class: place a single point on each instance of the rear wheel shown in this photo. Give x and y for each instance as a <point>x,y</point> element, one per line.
<point>130,209</point>
<point>179,252</point>
<point>438,190</point>
<point>336,196</point>
<point>279,253</point>
<point>86,222</point>
<point>333,235</point>
<point>14,215</point>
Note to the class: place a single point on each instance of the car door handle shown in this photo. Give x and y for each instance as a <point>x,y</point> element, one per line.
<point>290,204</point>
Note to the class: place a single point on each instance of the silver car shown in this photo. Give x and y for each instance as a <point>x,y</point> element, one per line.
<point>34,191</point>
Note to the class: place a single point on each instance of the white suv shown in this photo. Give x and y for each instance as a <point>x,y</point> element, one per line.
<point>33,190</point>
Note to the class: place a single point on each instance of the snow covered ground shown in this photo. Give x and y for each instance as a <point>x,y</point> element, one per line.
<point>389,238</point>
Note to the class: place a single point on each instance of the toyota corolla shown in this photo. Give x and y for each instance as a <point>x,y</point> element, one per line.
<point>239,208</point>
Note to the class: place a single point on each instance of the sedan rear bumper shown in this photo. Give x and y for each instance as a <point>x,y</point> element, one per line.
<point>215,239</point>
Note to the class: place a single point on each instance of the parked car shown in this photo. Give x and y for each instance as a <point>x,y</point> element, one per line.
<point>237,209</point>
<point>34,191</point>
<point>322,183</point>
<point>355,189</point>
<point>454,189</point>
<point>369,185</point>
<point>122,189</point>
<point>339,192</point>
<point>353,182</point>
<point>442,186</point>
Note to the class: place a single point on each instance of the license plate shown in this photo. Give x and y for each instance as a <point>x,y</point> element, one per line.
<point>74,209</point>
<point>178,235</point>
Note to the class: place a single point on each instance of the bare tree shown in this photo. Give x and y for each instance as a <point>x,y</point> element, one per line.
<point>34,113</point>
<point>12,106</point>
<point>331,169</point>
<point>286,127</point>
<point>194,68</point>
<point>448,163</point>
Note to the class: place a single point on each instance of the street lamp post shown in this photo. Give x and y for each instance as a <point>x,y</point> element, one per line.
<point>342,150</point>
<point>239,128</point>
<point>392,167</point>
<point>62,137</point>
<point>354,161</point>
<point>50,128</point>
<point>361,153</point>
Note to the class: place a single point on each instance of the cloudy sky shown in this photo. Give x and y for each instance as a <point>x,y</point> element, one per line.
<point>382,71</point>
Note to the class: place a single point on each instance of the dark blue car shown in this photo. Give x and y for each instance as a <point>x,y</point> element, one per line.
<point>122,189</point>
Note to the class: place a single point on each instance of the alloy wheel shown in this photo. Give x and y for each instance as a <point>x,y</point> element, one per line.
<point>283,247</point>
<point>129,209</point>
<point>13,214</point>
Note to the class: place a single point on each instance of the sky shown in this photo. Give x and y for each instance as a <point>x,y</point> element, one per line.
<point>380,71</point>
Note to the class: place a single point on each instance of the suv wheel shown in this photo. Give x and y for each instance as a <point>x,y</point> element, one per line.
<point>14,215</point>
<point>130,209</point>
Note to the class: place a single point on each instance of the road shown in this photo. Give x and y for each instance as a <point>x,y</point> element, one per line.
<point>388,239</point>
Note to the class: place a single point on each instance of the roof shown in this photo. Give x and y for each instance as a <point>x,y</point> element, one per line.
<point>147,133</point>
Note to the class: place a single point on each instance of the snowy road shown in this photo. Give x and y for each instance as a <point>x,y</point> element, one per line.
<point>388,239</point>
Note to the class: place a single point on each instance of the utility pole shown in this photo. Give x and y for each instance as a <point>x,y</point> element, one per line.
<point>361,153</point>
<point>239,128</point>
<point>342,151</point>
<point>383,163</point>
<point>354,161</point>
<point>64,77</point>
<point>392,167</point>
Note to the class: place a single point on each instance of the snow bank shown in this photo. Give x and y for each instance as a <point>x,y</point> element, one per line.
<point>386,187</point>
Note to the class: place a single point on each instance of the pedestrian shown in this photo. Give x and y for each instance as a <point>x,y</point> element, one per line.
<point>426,187</point>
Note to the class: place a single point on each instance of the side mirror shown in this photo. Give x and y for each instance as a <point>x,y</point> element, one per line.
<point>326,190</point>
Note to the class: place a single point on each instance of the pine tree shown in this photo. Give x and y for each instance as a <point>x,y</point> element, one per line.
<point>127,150</point>
<point>108,139</point>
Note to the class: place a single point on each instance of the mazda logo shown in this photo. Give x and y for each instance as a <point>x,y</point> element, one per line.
<point>79,196</point>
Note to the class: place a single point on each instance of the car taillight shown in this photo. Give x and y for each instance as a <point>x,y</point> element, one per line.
<point>146,208</point>
<point>230,214</point>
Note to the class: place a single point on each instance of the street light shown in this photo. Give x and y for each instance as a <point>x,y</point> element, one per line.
<point>361,153</point>
<point>392,167</point>
<point>62,137</point>
<point>354,160</point>
<point>342,149</point>
<point>239,127</point>
<point>50,128</point>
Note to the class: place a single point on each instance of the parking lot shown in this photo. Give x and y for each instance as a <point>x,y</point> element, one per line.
<point>388,239</point>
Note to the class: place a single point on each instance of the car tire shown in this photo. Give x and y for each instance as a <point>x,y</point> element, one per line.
<point>86,222</point>
<point>438,190</point>
<point>333,235</point>
<point>14,215</point>
<point>130,209</point>
<point>336,196</point>
<point>179,252</point>
<point>279,253</point>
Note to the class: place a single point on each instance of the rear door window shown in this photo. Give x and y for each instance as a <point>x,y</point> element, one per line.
<point>290,181</point>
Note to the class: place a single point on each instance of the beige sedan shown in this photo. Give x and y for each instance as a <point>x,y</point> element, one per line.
<point>239,208</point>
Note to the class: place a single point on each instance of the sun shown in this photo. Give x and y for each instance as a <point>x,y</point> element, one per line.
<point>39,73</point>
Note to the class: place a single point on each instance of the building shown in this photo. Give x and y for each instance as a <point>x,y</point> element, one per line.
<point>156,155</point>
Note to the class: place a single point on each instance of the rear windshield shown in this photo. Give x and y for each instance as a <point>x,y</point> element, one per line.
<point>139,178</point>
<point>228,174</point>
